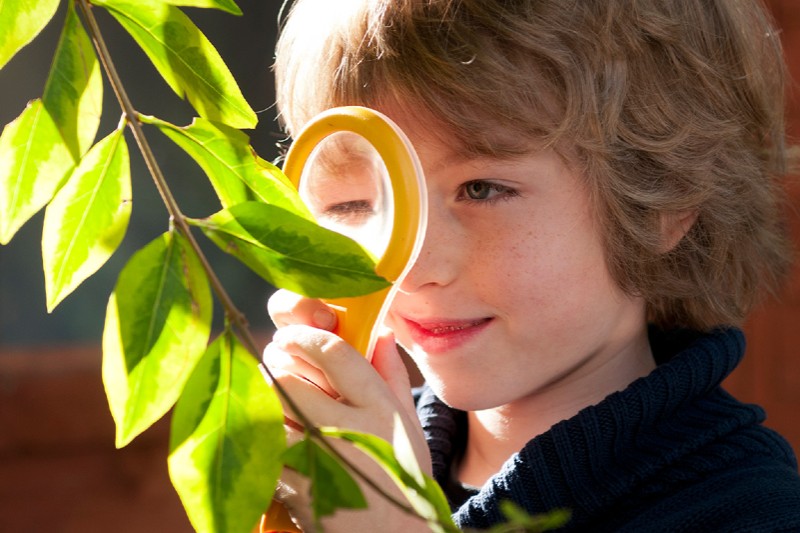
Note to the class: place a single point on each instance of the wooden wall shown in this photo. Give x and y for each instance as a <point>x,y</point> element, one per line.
<point>770,373</point>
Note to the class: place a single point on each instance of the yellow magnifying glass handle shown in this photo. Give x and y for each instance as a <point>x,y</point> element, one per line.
<point>358,316</point>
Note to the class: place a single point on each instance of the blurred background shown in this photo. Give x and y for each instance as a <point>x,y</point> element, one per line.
<point>59,470</point>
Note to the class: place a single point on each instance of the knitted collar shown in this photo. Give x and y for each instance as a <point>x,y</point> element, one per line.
<point>593,459</point>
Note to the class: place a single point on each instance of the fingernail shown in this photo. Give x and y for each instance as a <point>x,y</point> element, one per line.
<point>324,319</point>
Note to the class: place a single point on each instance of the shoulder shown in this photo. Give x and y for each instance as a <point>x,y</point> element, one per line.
<point>760,497</point>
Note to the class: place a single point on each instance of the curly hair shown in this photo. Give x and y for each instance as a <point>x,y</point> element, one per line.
<point>668,108</point>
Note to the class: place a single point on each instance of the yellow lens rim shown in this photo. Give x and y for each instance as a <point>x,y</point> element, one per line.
<point>396,152</point>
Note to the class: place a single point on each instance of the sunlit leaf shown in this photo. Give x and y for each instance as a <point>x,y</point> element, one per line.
<point>185,58</point>
<point>73,94</point>
<point>292,252</point>
<point>518,519</point>
<point>157,326</point>
<point>424,494</point>
<point>236,173</point>
<point>34,162</point>
<point>225,5</point>
<point>227,440</point>
<point>332,487</point>
<point>86,220</point>
<point>20,22</point>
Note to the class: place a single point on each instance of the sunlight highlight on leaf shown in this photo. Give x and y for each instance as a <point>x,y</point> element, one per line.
<point>235,171</point>
<point>87,219</point>
<point>424,494</point>
<point>73,93</point>
<point>20,22</point>
<point>227,440</point>
<point>224,5</point>
<point>34,161</point>
<point>185,58</point>
<point>157,326</point>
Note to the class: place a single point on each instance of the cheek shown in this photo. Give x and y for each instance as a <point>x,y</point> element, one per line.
<point>556,269</point>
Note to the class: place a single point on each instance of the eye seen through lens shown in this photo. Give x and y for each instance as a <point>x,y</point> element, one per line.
<point>346,186</point>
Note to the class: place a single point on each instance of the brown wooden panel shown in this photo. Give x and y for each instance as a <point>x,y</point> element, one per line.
<point>59,469</point>
<point>770,374</point>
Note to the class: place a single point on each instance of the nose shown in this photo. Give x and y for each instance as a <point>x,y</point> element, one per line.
<point>440,259</point>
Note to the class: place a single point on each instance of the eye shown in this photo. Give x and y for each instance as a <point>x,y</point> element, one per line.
<point>352,212</point>
<point>482,191</point>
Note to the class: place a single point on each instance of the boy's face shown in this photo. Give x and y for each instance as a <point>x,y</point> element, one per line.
<point>510,296</point>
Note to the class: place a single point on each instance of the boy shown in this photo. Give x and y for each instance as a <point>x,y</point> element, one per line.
<point>604,210</point>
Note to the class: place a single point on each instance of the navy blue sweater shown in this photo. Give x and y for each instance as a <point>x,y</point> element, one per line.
<point>673,452</point>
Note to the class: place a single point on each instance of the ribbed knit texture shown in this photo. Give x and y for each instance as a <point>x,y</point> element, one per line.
<point>673,452</point>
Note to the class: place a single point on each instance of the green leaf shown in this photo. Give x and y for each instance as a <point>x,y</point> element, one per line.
<point>520,520</point>
<point>157,326</point>
<point>20,22</point>
<point>424,494</point>
<point>185,58</point>
<point>227,440</point>
<point>236,173</point>
<point>293,253</point>
<point>74,91</point>
<point>34,162</point>
<point>224,5</point>
<point>86,220</point>
<point>332,487</point>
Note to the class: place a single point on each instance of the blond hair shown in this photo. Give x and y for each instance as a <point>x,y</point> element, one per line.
<point>669,108</point>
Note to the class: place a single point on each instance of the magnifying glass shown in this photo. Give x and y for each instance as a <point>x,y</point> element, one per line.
<point>359,175</point>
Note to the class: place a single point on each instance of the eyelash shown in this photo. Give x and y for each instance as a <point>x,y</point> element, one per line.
<point>353,211</point>
<point>502,192</point>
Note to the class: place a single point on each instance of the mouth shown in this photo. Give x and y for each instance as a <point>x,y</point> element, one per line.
<point>441,335</point>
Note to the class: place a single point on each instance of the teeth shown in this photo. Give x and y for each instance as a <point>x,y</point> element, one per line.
<point>438,330</point>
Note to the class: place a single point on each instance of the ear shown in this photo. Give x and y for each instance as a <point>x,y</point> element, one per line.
<point>674,226</point>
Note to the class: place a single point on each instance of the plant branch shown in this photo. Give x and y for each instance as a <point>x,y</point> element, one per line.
<point>235,316</point>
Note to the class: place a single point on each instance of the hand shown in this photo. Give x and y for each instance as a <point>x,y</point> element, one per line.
<point>334,385</point>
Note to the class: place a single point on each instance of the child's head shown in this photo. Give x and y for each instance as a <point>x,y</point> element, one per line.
<point>671,110</point>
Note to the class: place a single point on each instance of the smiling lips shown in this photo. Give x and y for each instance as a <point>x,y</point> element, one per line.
<point>438,336</point>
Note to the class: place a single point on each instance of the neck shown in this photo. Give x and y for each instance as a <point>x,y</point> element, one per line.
<point>494,435</point>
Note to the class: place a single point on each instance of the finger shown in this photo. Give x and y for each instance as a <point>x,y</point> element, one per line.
<point>286,308</point>
<point>280,361</point>
<point>390,366</point>
<point>317,405</point>
<point>345,369</point>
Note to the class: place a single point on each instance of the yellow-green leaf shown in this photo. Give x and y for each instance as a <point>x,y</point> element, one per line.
<point>185,58</point>
<point>235,171</point>
<point>227,440</point>
<point>33,164</point>
<point>157,326</point>
<point>292,252</point>
<point>332,486</point>
<point>86,220</point>
<point>73,94</point>
<point>422,491</point>
<point>20,22</point>
<point>224,5</point>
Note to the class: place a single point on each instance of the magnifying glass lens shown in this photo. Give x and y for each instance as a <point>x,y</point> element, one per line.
<point>346,185</point>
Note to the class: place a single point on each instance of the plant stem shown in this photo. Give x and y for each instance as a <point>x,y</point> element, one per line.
<point>233,314</point>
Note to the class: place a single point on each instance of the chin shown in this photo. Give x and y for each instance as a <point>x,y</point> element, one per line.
<point>462,396</point>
